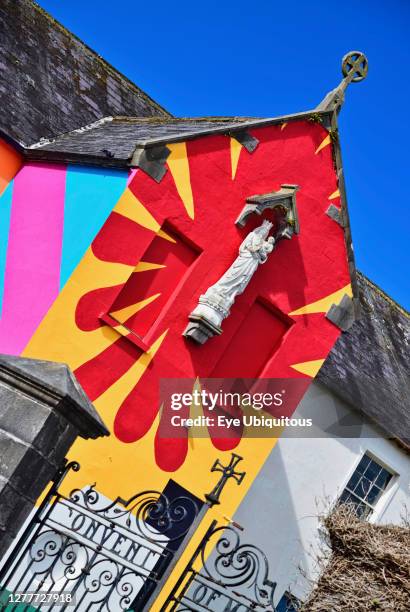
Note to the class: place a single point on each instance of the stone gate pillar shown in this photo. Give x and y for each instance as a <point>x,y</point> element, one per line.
<point>42,411</point>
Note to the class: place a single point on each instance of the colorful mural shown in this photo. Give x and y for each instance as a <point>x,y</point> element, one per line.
<point>102,270</point>
<point>49,215</point>
<point>162,245</point>
<point>10,164</point>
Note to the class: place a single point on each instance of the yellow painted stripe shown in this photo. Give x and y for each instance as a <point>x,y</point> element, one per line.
<point>236,149</point>
<point>122,330</point>
<point>335,194</point>
<point>178,165</point>
<point>129,206</point>
<point>111,456</point>
<point>325,142</point>
<point>325,303</point>
<point>282,127</point>
<point>144,266</point>
<point>78,346</point>
<point>125,313</point>
<point>166,236</point>
<point>310,368</point>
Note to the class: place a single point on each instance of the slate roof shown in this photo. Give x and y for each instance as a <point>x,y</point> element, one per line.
<point>113,140</point>
<point>369,366</point>
<point>51,82</point>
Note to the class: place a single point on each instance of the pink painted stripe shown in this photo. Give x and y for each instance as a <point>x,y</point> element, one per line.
<point>33,262</point>
<point>131,175</point>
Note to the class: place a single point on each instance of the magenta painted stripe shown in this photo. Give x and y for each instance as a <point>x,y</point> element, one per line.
<point>131,175</point>
<point>33,262</point>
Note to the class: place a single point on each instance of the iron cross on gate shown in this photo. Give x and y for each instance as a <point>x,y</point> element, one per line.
<point>228,471</point>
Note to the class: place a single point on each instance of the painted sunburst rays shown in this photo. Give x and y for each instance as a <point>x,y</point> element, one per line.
<point>139,272</point>
<point>124,240</point>
<point>135,235</point>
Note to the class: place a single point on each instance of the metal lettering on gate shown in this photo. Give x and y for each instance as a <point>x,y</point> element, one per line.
<point>109,555</point>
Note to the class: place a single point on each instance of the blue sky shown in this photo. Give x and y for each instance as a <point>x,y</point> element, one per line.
<point>267,58</point>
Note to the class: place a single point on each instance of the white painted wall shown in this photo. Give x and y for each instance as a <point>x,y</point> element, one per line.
<point>280,511</point>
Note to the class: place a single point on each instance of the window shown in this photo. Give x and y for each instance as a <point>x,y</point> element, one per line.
<point>288,603</point>
<point>366,486</point>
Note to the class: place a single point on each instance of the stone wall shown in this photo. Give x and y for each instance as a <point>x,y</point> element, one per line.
<point>42,411</point>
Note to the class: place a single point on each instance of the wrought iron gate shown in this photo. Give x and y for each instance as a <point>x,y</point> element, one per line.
<point>103,555</point>
<point>224,574</point>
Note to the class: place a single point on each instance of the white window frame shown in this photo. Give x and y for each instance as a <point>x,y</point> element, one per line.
<point>387,494</point>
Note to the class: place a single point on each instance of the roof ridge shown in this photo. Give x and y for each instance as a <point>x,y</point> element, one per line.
<point>85,128</point>
<point>138,120</point>
<point>110,67</point>
<point>177,119</point>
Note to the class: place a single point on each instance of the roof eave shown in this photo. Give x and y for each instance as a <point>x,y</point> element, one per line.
<point>238,127</point>
<point>50,155</point>
<point>19,146</point>
<point>75,158</point>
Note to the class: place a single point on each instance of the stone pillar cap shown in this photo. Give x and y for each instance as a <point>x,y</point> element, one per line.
<point>54,384</point>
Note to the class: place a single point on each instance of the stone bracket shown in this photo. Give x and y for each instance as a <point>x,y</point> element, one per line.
<point>245,139</point>
<point>152,161</point>
<point>336,214</point>
<point>342,314</point>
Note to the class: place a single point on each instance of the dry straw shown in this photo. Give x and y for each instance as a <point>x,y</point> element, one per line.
<point>369,568</point>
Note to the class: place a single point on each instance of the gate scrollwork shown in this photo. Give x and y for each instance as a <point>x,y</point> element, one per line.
<point>224,574</point>
<point>107,555</point>
<point>233,564</point>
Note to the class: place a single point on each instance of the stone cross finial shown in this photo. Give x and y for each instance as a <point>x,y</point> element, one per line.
<point>228,471</point>
<point>354,69</point>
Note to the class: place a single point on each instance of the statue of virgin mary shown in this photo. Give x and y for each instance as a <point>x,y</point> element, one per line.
<point>214,305</point>
<point>253,251</point>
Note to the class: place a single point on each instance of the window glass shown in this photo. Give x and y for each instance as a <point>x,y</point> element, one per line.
<point>288,603</point>
<point>364,462</point>
<point>366,486</point>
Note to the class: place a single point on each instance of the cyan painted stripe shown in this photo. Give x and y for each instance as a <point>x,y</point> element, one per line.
<point>5,212</point>
<point>91,194</point>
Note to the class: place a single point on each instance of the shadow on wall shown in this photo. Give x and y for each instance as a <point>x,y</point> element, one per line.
<point>304,474</point>
<point>269,516</point>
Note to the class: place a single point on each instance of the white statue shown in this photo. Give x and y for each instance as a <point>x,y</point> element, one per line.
<point>214,305</point>
<point>253,251</point>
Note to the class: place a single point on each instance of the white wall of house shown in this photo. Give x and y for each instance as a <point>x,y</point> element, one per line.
<point>301,477</point>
